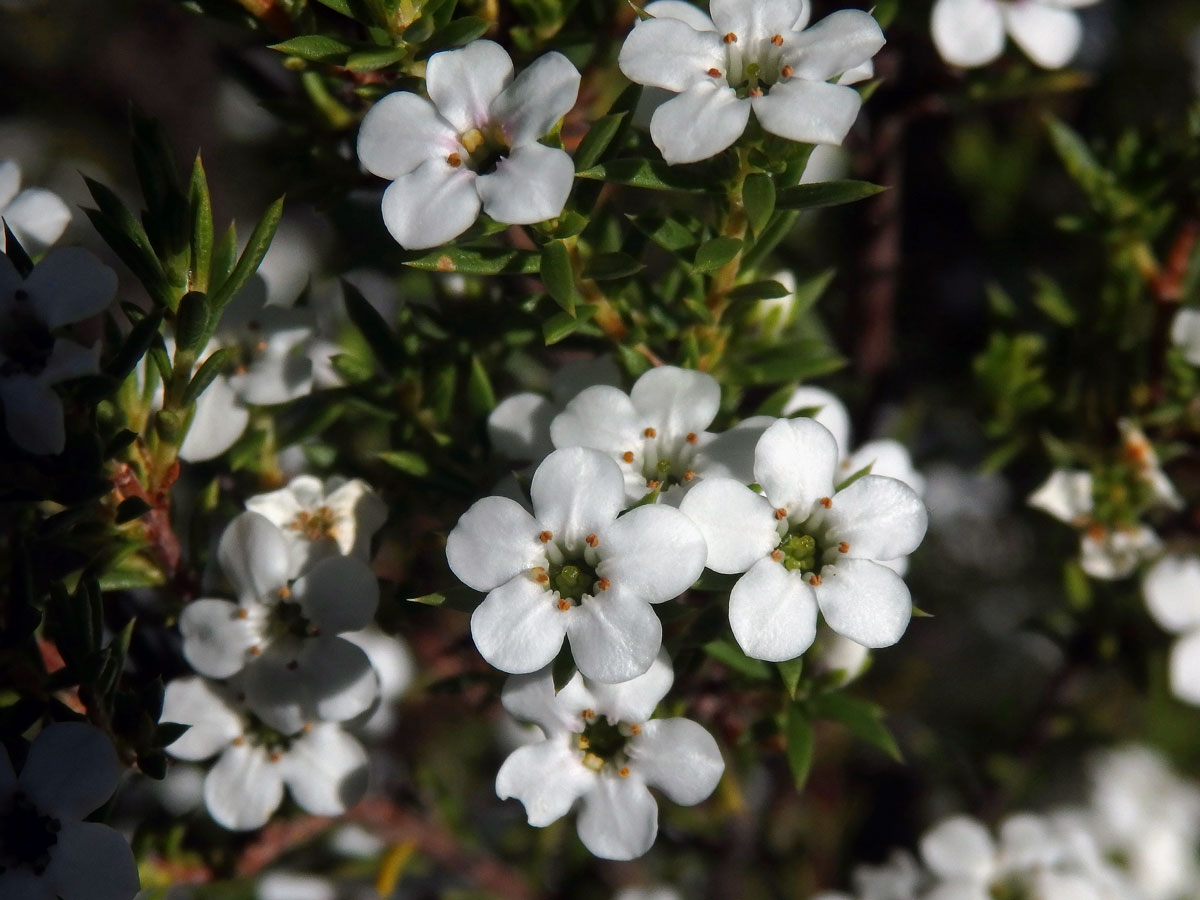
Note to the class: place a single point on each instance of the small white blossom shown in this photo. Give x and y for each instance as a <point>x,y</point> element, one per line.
<point>69,285</point>
<point>971,32</point>
<point>37,217</point>
<point>284,634</point>
<point>1185,329</point>
<point>804,547</point>
<point>602,750</point>
<point>47,851</point>
<point>472,144</point>
<point>750,55</point>
<point>323,767</point>
<point>393,663</point>
<point>1172,591</point>
<point>573,569</point>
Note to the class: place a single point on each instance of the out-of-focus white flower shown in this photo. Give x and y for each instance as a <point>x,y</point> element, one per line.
<point>839,657</point>
<point>971,32</point>
<point>37,217</point>
<point>603,751</point>
<point>47,851</point>
<point>280,885</point>
<point>1185,328</point>
<point>897,878</point>
<point>750,55</point>
<point>320,520</point>
<point>1139,453</point>
<point>284,635</point>
<point>659,892</point>
<point>475,145</point>
<point>323,767</point>
<point>803,546</point>
<point>1172,591</point>
<point>573,569</point>
<point>393,662</point>
<point>69,285</point>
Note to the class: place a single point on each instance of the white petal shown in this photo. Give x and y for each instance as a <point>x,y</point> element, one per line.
<point>839,42</point>
<point>731,453</point>
<point>812,112</point>
<point>698,123</point>
<point>254,557</point>
<point>325,770</point>
<point>1185,668</point>
<point>243,788</point>
<point>829,411</point>
<point>885,457</point>
<point>1172,591</point>
<point>215,639</point>
<point>677,401</point>
<point>653,552</point>
<point>37,217</point>
<point>519,427</point>
<point>614,637</point>
<point>577,492</point>
<point>518,627</point>
<point>536,99</point>
<point>1115,554</point>
<point>738,525</point>
<point>391,659</point>
<point>795,462</point>
<point>338,594</point>
<point>69,285</point>
<point>619,819</point>
<point>1066,495</point>
<point>463,83</point>
<point>671,54</point>
<point>529,185</point>
<point>33,415</point>
<point>92,862</point>
<point>864,601</point>
<point>968,32</point>
<point>197,702</point>
<point>10,182</point>
<point>760,19</point>
<point>547,777</point>
<point>772,612</point>
<point>1048,35</point>
<point>531,698</point>
<point>279,885</point>
<point>494,541</point>
<point>434,203</point>
<point>360,512</point>
<point>681,10</point>
<point>635,700</point>
<point>1185,334</point>
<point>71,769</point>
<point>678,757</point>
<point>880,518</point>
<point>402,131</point>
<point>280,372</point>
<point>219,420</point>
<point>959,847</point>
<point>325,678</point>
<point>70,360</point>
<point>601,417</point>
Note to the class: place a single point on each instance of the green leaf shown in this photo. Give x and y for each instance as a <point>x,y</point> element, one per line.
<point>252,256</point>
<point>716,252</point>
<point>200,212</point>
<point>1081,164</point>
<point>488,261</point>
<point>884,12</point>
<point>758,196</point>
<point>671,233</point>
<point>315,48</point>
<point>798,732</point>
<point>731,655</point>
<point>610,266</point>
<point>863,718</point>
<point>790,671</point>
<point>653,174</point>
<point>16,253</point>
<point>480,394</point>
<point>141,336</point>
<point>458,597</point>
<point>558,276</point>
<point>458,32</point>
<point>131,508</point>
<point>826,193</point>
<point>142,262</point>
<point>192,322</point>
<point>352,368</point>
<point>564,668</point>
<point>384,344</point>
<point>797,361</point>
<point>375,59</point>
<point>208,371</point>
<point>224,256</point>
<point>406,461</point>
<point>342,6</point>
<point>563,325</point>
<point>758,290</point>
<point>597,140</point>
<point>1049,297</point>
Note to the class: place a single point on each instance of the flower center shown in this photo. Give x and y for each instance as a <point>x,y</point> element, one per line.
<point>485,149</point>
<point>26,836</point>
<point>287,619</point>
<point>25,341</point>
<point>752,67</point>
<point>314,525</point>
<point>603,742</point>
<point>807,546</point>
<point>573,580</point>
<point>666,461</point>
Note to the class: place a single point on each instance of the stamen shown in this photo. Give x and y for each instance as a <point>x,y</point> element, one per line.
<point>454,159</point>
<point>652,484</point>
<point>692,437</point>
<point>635,730</point>
<point>777,555</point>
<point>593,762</point>
<point>274,756</point>
<point>592,541</point>
<point>627,456</point>
<point>307,727</point>
<point>285,592</point>
<point>1097,532</point>
<point>623,771</point>
<point>814,580</point>
<point>564,605</point>
<point>689,474</point>
<point>540,575</point>
<point>583,743</point>
<point>255,650</point>
<point>827,503</point>
<point>756,92</point>
<point>730,38</point>
<point>546,537</point>
<point>603,584</point>
<point>714,72</point>
<point>650,433</point>
<point>589,713</point>
<point>780,514</point>
<point>472,140</point>
<point>777,40</point>
<point>243,613</point>
<point>843,547</point>
<point>786,71</point>
<point>239,741</point>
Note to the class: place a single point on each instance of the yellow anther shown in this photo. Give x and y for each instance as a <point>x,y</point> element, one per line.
<point>584,743</point>
<point>603,584</point>
<point>843,547</point>
<point>243,613</point>
<point>635,730</point>
<point>623,771</point>
<point>786,71</point>
<point>777,40</point>
<point>653,485</point>
<point>563,605</point>
<point>275,756</point>
<point>589,714</point>
<point>756,92</point>
<point>650,433</point>
<point>285,592</point>
<point>692,438</point>
<point>239,741</point>
<point>777,555</point>
<point>255,650</point>
<point>454,159</point>
<point>827,502</point>
<point>780,514</point>
<point>593,762</point>
<point>730,38</point>
<point>307,727</point>
<point>689,474</point>
<point>627,456</point>
<point>814,580</point>
<point>546,537</point>
<point>592,541</point>
<point>472,140</point>
<point>714,72</point>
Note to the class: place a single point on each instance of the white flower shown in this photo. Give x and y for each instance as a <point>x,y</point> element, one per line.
<point>320,520</point>
<point>802,546</point>
<point>475,145</point>
<point>280,885</point>
<point>573,569</point>
<point>898,878</point>
<point>1139,454</point>
<point>1105,553</point>
<point>1185,328</point>
<point>751,54</point>
<point>284,635</point>
<point>70,284</point>
<point>393,663</point>
<point>660,892</point>
<point>47,851</point>
<point>220,418</point>
<point>324,768</point>
<point>1172,591</point>
<point>602,749</point>
<point>37,217</point>
<point>971,32</point>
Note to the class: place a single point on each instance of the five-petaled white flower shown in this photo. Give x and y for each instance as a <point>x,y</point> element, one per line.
<point>70,284</point>
<point>47,851</point>
<point>323,767</point>
<point>573,569</point>
<point>1172,590</point>
<point>476,144</point>
<point>602,749</point>
<point>971,32</point>
<point>803,546</point>
<point>284,634</point>
<point>37,217</point>
<point>750,55</point>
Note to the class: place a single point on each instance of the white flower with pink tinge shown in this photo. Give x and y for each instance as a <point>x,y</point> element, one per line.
<point>603,751</point>
<point>472,144</point>
<point>575,568</point>
<point>749,55</point>
<point>804,547</point>
<point>970,33</point>
<point>283,634</point>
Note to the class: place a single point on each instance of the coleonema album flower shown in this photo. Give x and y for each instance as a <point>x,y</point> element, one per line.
<point>970,33</point>
<point>1172,590</point>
